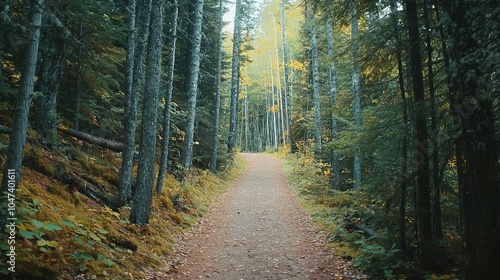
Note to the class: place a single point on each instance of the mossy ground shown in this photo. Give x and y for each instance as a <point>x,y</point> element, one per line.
<point>62,234</point>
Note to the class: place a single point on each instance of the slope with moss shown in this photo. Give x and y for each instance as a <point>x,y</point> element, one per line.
<point>62,234</point>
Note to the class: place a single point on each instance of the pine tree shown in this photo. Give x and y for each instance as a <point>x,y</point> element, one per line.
<point>141,207</point>
<point>192,84</point>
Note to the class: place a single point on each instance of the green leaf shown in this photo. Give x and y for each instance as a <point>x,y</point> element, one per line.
<point>68,224</point>
<point>52,227</point>
<point>81,231</point>
<point>37,224</point>
<point>78,240</point>
<point>93,236</point>
<point>27,234</point>
<point>36,202</point>
<point>4,247</point>
<point>81,256</point>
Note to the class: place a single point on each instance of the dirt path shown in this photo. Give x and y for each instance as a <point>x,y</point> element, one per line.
<point>258,231</point>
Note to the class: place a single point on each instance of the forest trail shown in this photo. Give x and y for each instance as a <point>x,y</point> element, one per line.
<point>258,231</point>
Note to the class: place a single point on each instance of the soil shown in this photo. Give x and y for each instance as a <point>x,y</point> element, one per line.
<point>258,231</point>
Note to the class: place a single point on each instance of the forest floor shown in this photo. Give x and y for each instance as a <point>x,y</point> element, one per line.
<point>258,231</point>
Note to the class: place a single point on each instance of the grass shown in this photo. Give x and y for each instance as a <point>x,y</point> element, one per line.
<point>62,234</point>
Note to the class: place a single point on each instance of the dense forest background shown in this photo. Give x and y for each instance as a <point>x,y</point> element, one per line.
<point>387,111</point>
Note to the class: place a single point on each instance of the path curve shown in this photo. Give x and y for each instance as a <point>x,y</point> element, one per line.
<point>257,231</point>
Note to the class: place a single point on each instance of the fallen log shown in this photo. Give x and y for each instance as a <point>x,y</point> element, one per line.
<point>86,188</point>
<point>367,232</point>
<point>98,141</point>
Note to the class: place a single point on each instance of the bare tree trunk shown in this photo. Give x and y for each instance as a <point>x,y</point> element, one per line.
<point>170,86</point>
<point>215,145</point>
<point>17,140</point>
<point>436,217</point>
<point>316,89</point>
<point>404,147</point>
<point>286,83</point>
<point>136,46</point>
<point>426,247</point>
<point>235,79</point>
<point>356,171</point>
<point>278,87</point>
<point>141,206</point>
<point>247,128</point>
<point>52,47</point>
<point>335,184</point>
<point>194,69</point>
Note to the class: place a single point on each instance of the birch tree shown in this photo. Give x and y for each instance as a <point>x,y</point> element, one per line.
<point>286,83</point>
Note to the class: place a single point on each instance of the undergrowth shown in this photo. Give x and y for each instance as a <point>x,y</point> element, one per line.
<point>359,224</point>
<point>334,210</point>
<point>62,234</point>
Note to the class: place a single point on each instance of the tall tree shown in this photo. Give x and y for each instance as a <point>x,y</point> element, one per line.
<point>192,85</point>
<point>215,145</point>
<point>19,126</point>
<point>235,79</point>
<point>286,83</point>
<point>141,207</point>
<point>52,49</point>
<point>474,60</point>
<point>426,246</point>
<point>356,171</point>
<point>168,100</point>
<point>136,48</point>
<point>316,86</point>
<point>333,95</point>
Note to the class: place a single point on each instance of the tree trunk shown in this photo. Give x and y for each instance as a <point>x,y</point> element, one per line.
<point>136,46</point>
<point>247,128</point>
<point>194,69</point>
<point>436,215</point>
<point>404,147</point>
<point>17,140</point>
<point>426,245</point>
<point>168,102</point>
<point>141,207</point>
<point>316,90</point>
<point>335,184</point>
<point>3,6</point>
<point>235,80</point>
<point>101,142</point>
<point>215,145</point>
<point>356,171</point>
<point>474,59</point>
<point>52,47</point>
<point>286,83</point>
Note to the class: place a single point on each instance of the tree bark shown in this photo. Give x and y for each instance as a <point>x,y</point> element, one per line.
<point>316,89</point>
<point>426,244</point>
<point>168,102</point>
<point>356,170</point>
<point>98,141</point>
<point>141,206</point>
<point>474,59</point>
<point>19,126</point>
<point>335,183</point>
<point>192,92</point>
<point>136,46</point>
<point>215,145</point>
<point>235,80</point>
<point>52,46</point>
<point>286,83</point>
